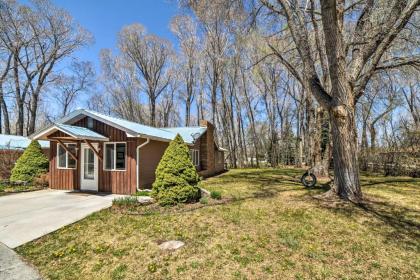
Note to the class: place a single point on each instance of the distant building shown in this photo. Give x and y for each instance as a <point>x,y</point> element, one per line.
<point>11,147</point>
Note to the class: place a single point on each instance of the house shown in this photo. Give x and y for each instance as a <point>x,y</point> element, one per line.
<point>11,148</point>
<point>91,151</point>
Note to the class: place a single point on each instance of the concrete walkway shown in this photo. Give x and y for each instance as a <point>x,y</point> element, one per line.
<point>28,216</point>
<point>13,267</point>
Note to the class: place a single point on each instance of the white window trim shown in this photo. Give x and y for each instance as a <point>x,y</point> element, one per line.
<point>67,156</point>
<point>115,156</point>
<point>198,157</point>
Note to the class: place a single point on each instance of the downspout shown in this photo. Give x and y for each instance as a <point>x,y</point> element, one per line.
<point>137,162</point>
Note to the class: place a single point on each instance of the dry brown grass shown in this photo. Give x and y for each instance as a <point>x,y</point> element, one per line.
<point>269,227</point>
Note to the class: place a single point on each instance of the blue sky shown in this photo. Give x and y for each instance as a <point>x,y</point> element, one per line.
<point>105,18</point>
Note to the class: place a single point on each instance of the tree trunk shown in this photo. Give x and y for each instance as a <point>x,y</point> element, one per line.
<point>152,112</point>
<point>372,137</point>
<point>33,112</point>
<point>187,112</point>
<point>346,170</point>
<point>19,99</point>
<point>319,168</point>
<point>341,105</point>
<point>364,148</point>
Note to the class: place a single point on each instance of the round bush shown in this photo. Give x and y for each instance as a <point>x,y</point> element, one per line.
<point>30,165</point>
<point>176,176</point>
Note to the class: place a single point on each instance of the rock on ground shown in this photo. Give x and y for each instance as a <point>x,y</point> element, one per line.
<point>171,245</point>
<point>145,199</point>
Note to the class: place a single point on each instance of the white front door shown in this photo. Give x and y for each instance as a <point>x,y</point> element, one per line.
<point>88,168</point>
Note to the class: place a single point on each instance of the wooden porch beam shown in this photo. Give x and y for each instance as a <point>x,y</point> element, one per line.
<point>66,149</point>
<point>93,149</point>
<point>69,139</point>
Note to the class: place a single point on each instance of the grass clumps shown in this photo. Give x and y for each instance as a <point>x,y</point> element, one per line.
<point>216,195</point>
<point>204,200</point>
<point>176,177</point>
<point>143,193</point>
<point>30,165</point>
<point>124,201</point>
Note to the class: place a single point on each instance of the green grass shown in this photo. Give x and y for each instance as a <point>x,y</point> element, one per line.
<point>125,201</point>
<point>7,189</point>
<point>143,193</point>
<point>266,227</point>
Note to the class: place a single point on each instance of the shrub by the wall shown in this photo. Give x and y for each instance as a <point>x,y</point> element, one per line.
<point>30,165</point>
<point>176,176</point>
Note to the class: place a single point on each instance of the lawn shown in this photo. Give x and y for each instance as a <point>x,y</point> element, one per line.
<point>267,227</point>
<point>8,189</point>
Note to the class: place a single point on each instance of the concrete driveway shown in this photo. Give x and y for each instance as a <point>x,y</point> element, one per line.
<point>28,216</point>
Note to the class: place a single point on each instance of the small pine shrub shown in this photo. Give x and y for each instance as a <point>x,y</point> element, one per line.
<point>176,177</point>
<point>30,165</point>
<point>216,195</point>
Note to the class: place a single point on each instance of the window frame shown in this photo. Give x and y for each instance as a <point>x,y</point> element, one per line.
<point>67,156</point>
<point>197,153</point>
<point>115,156</point>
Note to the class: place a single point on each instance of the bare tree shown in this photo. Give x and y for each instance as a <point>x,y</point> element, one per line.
<point>122,87</point>
<point>185,30</point>
<point>412,97</point>
<point>38,37</point>
<point>351,65</point>
<point>5,67</point>
<point>151,56</point>
<point>68,87</point>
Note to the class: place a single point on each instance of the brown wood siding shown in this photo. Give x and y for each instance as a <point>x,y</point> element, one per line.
<point>150,156</point>
<point>62,179</point>
<point>120,182</point>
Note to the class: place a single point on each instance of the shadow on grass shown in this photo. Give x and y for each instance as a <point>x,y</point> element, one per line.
<point>395,222</point>
<point>370,183</point>
<point>265,183</point>
<point>393,215</point>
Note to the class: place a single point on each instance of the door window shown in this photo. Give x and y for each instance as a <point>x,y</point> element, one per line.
<point>89,164</point>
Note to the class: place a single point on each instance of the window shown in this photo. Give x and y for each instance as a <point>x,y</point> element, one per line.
<point>220,157</point>
<point>90,122</point>
<point>195,157</point>
<point>65,160</point>
<point>115,154</point>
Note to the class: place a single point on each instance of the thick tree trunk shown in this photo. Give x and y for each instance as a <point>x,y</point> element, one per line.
<point>346,170</point>
<point>320,168</point>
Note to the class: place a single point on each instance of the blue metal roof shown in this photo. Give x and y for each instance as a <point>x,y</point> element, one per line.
<point>133,129</point>
<point>136,129</point>
<point>18,142</point>
<point>80,132</point>
<point>188,133</point>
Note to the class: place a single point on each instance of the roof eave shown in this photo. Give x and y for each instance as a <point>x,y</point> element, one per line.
<point>45,131</point>
<point>74,114</point>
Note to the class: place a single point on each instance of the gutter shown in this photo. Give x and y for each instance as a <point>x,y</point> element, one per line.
<point>137,161</point>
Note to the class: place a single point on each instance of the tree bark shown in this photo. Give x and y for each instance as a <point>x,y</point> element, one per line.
<point>342,109</point>
<point>346,170</point>
<point>364,148</point>
<point>4,112</point>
